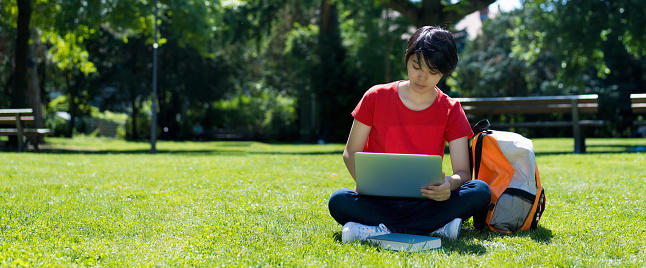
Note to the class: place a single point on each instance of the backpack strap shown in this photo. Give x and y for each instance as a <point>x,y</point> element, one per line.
<point>481,127</point>
<point>478,154</point>
<point>539,210</point>
<point>521,193</point>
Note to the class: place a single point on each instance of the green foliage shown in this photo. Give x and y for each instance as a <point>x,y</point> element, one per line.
<point>88,123</point>
<point>487,68</point>
<point>260,113</point>
<point>99,53</point>
<point>142,121</point>
<point>583,35</point>
<point>376,55</point>
<point>551,48</point>
<point>67,53</point>
<point>56,123</point>
<point>61,104</point>
<point>105,202</point>
<point>597,47</point>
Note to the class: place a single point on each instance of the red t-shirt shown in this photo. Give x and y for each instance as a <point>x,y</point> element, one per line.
<point>398,129</point>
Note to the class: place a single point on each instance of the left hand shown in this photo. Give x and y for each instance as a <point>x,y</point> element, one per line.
<point>440,192</point>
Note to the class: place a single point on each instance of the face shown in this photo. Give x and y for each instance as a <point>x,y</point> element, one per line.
<point>421,77</point>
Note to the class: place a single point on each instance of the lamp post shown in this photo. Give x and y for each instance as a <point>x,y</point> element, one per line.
<point>153,112</point>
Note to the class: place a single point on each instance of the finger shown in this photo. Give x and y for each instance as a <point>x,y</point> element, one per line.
<point>426,191</point>
<point>435,196</point>
<point>431,197</point>
<point>427,194</point>
<point>436,193</point>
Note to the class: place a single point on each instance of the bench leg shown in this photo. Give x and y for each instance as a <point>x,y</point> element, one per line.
<point>19,134</point>
<point>579,144</point>
<point>579,137</point>
<point>35,141</point>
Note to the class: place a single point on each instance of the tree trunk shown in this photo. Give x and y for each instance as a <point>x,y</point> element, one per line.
<point>42,78</point>
<point>135,112</point>
<point>34,95</point>
<point>18,94</point>
<point>326,59</point>
<point>33,86</point>
<point>19,77</point>
<point>330,79</point>
<point>72,103</point>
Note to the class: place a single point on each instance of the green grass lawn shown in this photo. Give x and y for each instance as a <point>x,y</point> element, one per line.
<point>107,202</point>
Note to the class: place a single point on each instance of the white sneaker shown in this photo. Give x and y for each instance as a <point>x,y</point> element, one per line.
<point>451,230</point>
<point>353,231</point>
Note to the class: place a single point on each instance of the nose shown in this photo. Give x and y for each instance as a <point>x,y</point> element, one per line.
<point>421,76</point>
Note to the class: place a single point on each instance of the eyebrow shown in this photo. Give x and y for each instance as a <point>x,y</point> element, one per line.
<point>419,65</point>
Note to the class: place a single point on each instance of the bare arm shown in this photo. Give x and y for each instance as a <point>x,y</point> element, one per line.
<point>460,162</point>
<point>356,141</point>
<point>461,172</point>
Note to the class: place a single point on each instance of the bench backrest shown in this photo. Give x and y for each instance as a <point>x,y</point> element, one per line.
<point>530,105</point>
<point>638,103</point>
<point>586,104</point>
<point>10,116</point>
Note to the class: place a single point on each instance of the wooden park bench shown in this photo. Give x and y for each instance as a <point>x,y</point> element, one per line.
<point>574,105</point>
<point>13,122</point>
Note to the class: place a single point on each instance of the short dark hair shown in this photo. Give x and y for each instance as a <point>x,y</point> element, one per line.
<point>437,46</point>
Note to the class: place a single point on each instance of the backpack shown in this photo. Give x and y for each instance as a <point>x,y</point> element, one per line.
<point>506,162</point>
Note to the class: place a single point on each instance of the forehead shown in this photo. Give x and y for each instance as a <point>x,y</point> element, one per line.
<point>418,59</point>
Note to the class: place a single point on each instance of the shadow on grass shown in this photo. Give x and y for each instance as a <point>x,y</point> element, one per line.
<point>229,149</point>
<point>467,243</point>
<point>337,237</point>
<point>470,240</point>
<point>628,150</point>
<point>599,148</point>
<point>462,246</point>
<point>65,150</point>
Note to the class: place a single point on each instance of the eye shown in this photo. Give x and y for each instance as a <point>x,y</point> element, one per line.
<point>416,65</point>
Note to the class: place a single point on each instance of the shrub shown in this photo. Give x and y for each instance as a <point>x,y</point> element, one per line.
<point>260,113</point>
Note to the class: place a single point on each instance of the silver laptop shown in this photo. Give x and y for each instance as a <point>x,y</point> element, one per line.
<point>396,175</point>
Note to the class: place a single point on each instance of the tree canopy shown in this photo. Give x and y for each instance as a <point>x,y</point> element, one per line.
<point>291,69</point>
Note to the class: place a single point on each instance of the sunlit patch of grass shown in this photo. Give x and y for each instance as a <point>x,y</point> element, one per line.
<point>89,201</point>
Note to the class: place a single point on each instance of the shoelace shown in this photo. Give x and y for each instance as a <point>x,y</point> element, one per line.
<point>379,228</point>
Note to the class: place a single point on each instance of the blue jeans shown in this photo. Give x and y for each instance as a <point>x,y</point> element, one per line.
<point>410,215</point>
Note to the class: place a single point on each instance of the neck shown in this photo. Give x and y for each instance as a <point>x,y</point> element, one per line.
<point>418,97</point>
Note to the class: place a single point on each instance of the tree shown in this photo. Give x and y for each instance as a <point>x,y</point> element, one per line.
<point>435,12</point>
<point>19,89</point>
<point>67,26</point>
<point>600,44</point>
<point>487,68</point>
<point>332,50</point>
<point>583,35</point>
